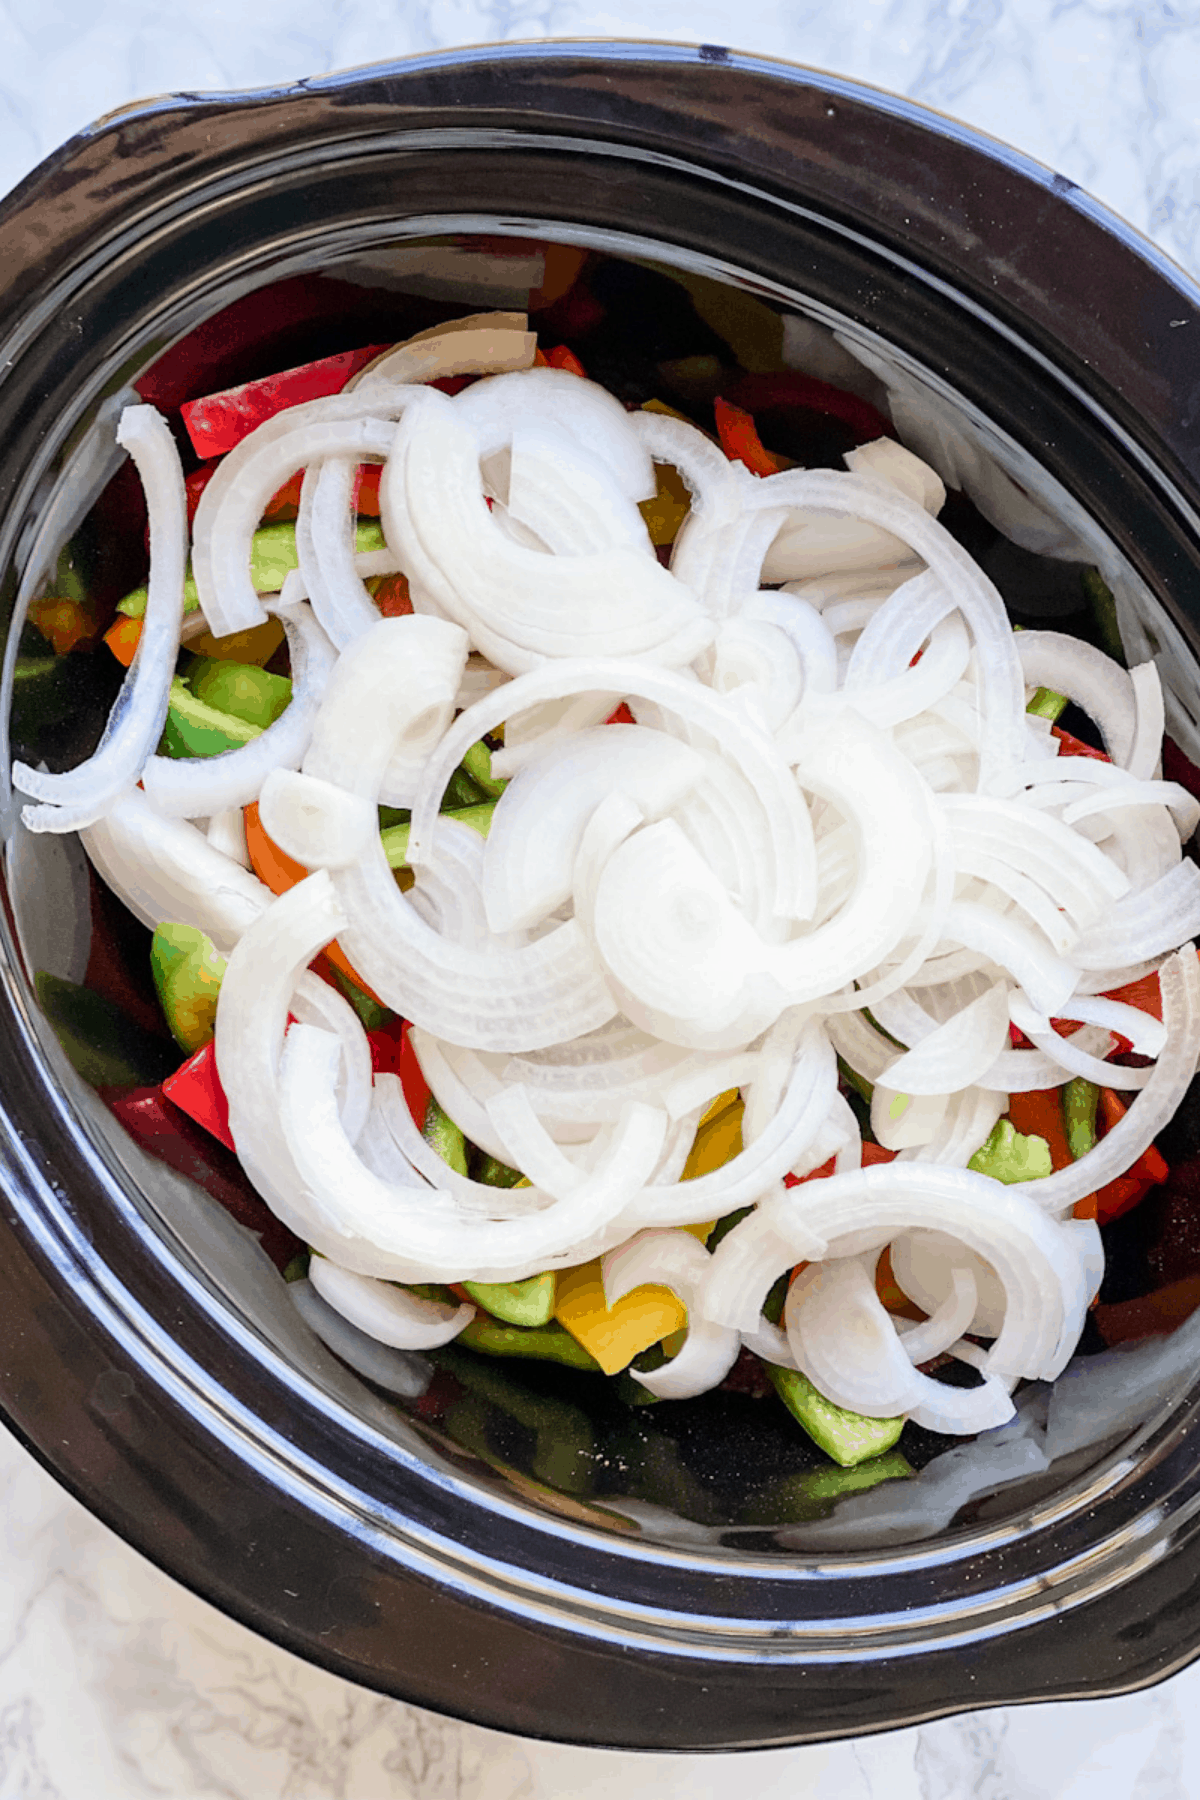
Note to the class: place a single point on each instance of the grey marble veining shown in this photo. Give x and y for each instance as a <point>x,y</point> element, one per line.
<point>115,1683</point>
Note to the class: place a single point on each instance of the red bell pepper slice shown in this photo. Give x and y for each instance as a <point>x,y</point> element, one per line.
<point>217,423</point>
<point>788,388</point>
<point>195,1088</point>
<point>1150,1315</point>
<point>562,358</point>
<point>622,716</point>
<point>392,1054</point>
<point>393,597</point>
<point>1071,746</point>
<point>740,440</point>
<point>163,1131</point>
<point>366,490</point>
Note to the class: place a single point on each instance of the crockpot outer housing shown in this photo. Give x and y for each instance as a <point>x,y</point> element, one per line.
<point>157,1404</point>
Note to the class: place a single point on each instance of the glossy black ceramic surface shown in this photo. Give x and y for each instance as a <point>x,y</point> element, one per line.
<point>135,1360</point>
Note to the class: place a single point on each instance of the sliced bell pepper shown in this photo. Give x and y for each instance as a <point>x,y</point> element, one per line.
<point>256,646</point>
<point>444,1136</point>
<point>740,440</point>
<point>62,621</point>
<point>1046,704</point>
<point>622,716</point>
<point>847,1437</point>
<point>562,358</point>
<point>195,1088</point>
<point>1150,1315</point>
<point>1080,1099</point>
<point>123,638</point>
<point>1071,746</point>
<point>393,598</point>
<point>217,423</point>
<point>279,872</point>
<point>392,1054</point>
<point>366,490</point>
<point>614,1335</point>
<point>188,972</point>
<point>788,388</point>
<point>1130,1189</point>
<point>163,1130</point>
<point>1039,1114</point>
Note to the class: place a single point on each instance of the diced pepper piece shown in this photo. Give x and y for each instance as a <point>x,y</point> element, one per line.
<point>615,1335</point>
<point>188,972</point>
<point>622,716</point>
<point>279,872</point>
<point>494,1173</point>
<point>1150,1315</point>
<point>812,1495</point>
<point>372,1014</point>
<point>478,764</point>
<point>1080,1099</point>
<point>847,1437</point>
<point>461,791</point>
<point>366,490</point>
<point>196,1089</point>
<point>133,606</point>
<point>740,440</point>
<point>1099,597</point>
<point>217,423</point>
<point>672,501</point>
<point>786,389</point>
<point>1046,704</point>
<point>257,645</point>
<point>164,1131</point>
<point>891,1293</point>
<point>1130,1189</point>
<point>273,556</point>
<point>194,486</point>
<point>194,729</point>
<point>529,1302</point>
<point>241,689</point>
<point>545,1343</point>
<point>123,639</point>
<point>1145,993</point>
<point>1009,1155</point>
<point>562,358</point>
<point>1072,746</point>
<point>395,837</point>
<point>284,504</point>
<point>392,597</point>
<point>444,1135</point>
<point>718,1138</point>
<point>62,621</point>
<point>101,1043</point>
<point>392,1054</point>
<point>1039,1114</point>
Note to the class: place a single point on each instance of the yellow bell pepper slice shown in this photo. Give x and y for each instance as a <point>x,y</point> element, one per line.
<point>614,1335</point>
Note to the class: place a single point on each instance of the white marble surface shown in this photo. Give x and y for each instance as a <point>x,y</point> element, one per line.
<point>116,1684</point>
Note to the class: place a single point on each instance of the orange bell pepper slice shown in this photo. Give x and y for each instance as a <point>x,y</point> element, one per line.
<point>562,358</point>
<point>740,440</point>
<point>278,871</point>
<point>123,639</point>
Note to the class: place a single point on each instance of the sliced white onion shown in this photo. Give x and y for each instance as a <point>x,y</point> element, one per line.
<point>79,797</point>
<point>184,787</point>
<point>167,869</point>
<point>385,1312</point>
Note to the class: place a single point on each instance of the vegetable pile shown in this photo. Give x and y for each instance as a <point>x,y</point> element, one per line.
<point>748,913</point>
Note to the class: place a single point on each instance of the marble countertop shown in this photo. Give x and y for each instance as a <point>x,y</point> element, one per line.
<point>115,1683</point>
